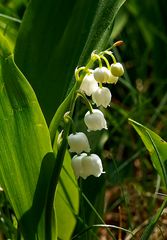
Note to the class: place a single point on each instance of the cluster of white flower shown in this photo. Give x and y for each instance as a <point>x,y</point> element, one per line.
<point>93,80</point>
<point>85,164</point>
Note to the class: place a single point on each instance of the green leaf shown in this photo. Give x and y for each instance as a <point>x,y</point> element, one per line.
<point>56,120</point>
<point>9,28</point>
<point>67,201</point>
<point>150,227</point>
<point>5,47</point>
<point>24,145</point>
<point>55,37</point>
<point>156,146</point>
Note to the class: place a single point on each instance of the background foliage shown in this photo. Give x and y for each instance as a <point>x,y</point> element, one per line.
<point>130,177</point>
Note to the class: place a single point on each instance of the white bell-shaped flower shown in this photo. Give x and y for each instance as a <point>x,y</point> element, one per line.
<point>78,143</point>
<point>85,165</point>
<point>102,96</point>
<point>91,165</point>
<point>95,120</point>
<point>112,79</point>
<point>89,84</point>
<point>101,74</point>
<point>76,163</point>
<point>117,69</point>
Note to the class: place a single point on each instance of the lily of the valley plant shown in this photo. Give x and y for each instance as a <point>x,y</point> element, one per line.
<point>92,87</point>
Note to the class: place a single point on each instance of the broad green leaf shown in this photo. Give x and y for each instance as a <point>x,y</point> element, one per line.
<point>58,117</point>
<point>156,146</point>
<point>9,28</point>
<point>67,201</point>
<point>55,37</point>
<point>150,227</point>
<point>24,145</point>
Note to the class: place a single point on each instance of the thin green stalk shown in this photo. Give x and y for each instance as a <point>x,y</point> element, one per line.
<point>82,205</point>
<point>60,113</point>
<point>101,226</point>
<point>159,109</point>
<point>97,214</point>
<point>53,184</point>
<point>152,203</point>
<point>148,230</point>
<point>10,18</point>
<point>61,151</point>
<point>106,61</point>
<point>69,202</point>
<point>89,203</point>
<point>124,197</point>
<point>127,162</point>
<point>56,172</point>
<point>86,101</point>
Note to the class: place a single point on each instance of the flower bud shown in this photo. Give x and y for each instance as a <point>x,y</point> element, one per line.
<point>101,74</point>
<point>112,79</point>
<point>91,165</point>
<point>89,84</point>
<point>102,96</point>
<point>78,143</point>
<point>76,163</point>
<point>117,69</point>
<point>95,120</point>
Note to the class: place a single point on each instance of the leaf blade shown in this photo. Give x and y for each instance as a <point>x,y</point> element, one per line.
<point>156,146</point>
<point>67,200</point>
<point>24,138</point>
<point>49,56</point>
<point>150,227</point>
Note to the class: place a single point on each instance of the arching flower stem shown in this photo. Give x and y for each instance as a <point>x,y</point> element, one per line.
<point>68,119</point>
<point>88,104</point>
<point>111,55</point>
<point>95,57</point>
<point>105,60</point>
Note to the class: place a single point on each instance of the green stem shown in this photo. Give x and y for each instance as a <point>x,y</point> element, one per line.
<point>68,118</point>
<point>82,205</point>
<point>10,18</point>
<point>68,102</point>
<point>88,202</point>
<point>53,184</point>
<point>60,113</point>
<point>95,57</point>
<point>106,61</point>
<point>56,173</point>
<point>101,226</point>
<point>77,72</point>
<point>100,85</point>
<point>88,104</point>
<point>110,54</point>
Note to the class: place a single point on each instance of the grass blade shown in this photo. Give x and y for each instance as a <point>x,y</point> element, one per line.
<point>148,230</point>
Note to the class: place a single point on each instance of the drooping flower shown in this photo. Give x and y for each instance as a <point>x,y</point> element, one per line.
<point>85,165</point>
<point>102,96</point>
<point>78,143</point>
<point>112,79</point>
<point>76,163</point>
<point>101,74</point>
<point>89,84</point>
<point>92,165</point>
<point>95,120</point>
<point>117,69</point>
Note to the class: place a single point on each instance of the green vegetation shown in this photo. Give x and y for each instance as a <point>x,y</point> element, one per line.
<point>44,48</point>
